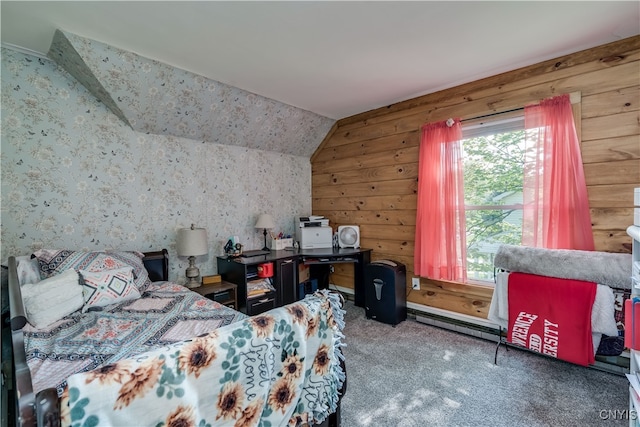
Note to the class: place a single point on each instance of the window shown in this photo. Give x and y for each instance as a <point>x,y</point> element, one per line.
<point>493,161</point>
<point>482,175</point>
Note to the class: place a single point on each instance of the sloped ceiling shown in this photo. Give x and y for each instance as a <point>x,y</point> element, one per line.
<point>157,98</point>
<point>335,59</point>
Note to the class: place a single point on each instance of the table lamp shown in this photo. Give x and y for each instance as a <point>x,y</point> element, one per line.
<point>265,221</point>
<point>192,242</point>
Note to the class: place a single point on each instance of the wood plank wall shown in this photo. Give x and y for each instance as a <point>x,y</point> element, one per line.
<point>365,171</point>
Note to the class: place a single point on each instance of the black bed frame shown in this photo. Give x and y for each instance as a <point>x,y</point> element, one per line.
<point>30,410</point>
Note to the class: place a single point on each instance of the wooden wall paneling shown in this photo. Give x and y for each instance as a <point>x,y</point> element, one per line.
<point>367,153</point>
<point>498,100</point>
<point>374,131</point>
<point>612,102</point>
<point>614,172</point>
<point>379,188</point>
<point>611,196</point>
<point>361,147</point>
<point>344,269</point>
<point>366,203</point>
<point>472,300</point>
<point>604,219</point>
<point>342,280</point>
<point>389,247</point>
<point>400,156</point>
<point>611,149</point>
<point>389,232</point>
<point>379,173</point>
<point>612,126</point>
<point>382,217</point>
<point>612,241</point>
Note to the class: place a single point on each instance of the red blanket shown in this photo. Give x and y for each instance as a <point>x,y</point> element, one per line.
<point>552,316</point>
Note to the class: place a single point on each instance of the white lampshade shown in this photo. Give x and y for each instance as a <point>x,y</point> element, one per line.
<point>192,241</point>
<point>265,221</point>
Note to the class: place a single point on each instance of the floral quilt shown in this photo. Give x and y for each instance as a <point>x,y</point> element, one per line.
<point>166,313</point>
<point>278,368</point>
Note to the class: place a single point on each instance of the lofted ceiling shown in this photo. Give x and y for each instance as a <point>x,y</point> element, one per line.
<point>332,58</point>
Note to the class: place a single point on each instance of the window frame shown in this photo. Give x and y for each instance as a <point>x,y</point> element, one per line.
<point>483,122</point>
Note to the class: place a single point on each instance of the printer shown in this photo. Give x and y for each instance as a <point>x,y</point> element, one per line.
<point>313,232</point>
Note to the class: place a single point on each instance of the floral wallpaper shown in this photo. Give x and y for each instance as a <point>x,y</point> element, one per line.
<point>160,99</point>
<point>76,176</point>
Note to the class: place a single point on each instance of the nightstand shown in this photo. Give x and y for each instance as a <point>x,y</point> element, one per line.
<point>224,293</point>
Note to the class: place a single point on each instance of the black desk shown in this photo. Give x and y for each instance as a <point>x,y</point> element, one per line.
<point>319,261</point>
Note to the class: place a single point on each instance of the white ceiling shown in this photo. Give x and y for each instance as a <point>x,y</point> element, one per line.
<point>334,58</point>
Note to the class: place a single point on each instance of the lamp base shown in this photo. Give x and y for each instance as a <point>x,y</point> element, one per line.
<point>265,248</point>
<point>192,272</point>
<point>192,283</point>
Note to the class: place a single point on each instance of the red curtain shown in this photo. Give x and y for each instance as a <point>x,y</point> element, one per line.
<point>440,244</point>
<point>556,207</point>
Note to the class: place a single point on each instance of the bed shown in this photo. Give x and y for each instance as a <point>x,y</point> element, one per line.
<point>134,346</point>
<point>565,304</point>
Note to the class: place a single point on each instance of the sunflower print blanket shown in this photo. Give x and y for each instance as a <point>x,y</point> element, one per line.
<point>279,368</point>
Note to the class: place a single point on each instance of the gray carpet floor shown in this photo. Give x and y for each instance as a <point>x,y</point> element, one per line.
<point>416,375</point>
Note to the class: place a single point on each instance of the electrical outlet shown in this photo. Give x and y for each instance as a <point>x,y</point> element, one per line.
<point>415,283</point>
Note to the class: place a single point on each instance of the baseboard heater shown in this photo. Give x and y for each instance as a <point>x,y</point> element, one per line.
<point>487,330</point>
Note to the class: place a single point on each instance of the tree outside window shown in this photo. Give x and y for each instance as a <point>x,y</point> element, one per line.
<point>493,181</point>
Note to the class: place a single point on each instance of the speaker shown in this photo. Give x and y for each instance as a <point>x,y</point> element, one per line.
<point>348,236</point>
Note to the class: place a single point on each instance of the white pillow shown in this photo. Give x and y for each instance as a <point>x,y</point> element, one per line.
<point>101,288</point>
<point>51,299</point>
<point>28,269</point>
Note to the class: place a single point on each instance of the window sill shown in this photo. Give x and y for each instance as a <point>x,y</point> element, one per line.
<point>485,283</point>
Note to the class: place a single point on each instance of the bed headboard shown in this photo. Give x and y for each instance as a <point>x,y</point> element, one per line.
<point>157,264</point>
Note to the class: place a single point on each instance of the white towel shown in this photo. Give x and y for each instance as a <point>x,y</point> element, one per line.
<point>499,308</point>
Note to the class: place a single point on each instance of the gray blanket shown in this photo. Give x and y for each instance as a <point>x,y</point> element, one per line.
<point>604,268</point>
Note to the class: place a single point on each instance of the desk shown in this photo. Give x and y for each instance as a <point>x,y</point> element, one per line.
<point>239,270</point>
<point>320,260</point>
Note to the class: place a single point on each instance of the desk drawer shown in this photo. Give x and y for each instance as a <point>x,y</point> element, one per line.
<point>261,304</point>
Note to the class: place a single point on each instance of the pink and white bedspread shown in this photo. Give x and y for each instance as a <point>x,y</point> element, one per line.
<point>166,313</point>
